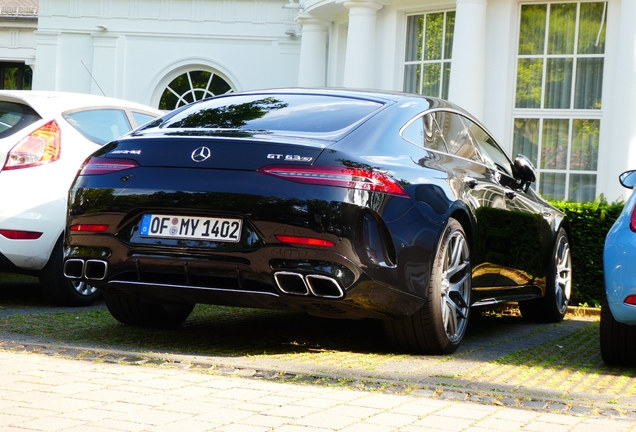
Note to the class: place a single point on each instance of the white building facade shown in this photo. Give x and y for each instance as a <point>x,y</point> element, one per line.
<point>18,23</point>
<point>555,80</point>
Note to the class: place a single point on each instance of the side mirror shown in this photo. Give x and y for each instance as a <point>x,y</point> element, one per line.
<point>628,179</point>
<point>525,173</point>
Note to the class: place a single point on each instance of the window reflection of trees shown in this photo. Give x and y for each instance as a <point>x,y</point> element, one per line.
<point>15,76</point>
<point>234,116</point>
<point>428,53</point>
<point>560,67</point>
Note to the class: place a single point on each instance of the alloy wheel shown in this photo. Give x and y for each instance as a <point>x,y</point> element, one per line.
<point>83,288</point>
<point>455,292</point>
<point>563,276</point>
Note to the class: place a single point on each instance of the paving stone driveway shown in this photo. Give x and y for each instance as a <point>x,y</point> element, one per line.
<point>45,393</point>
<point>504,361</point>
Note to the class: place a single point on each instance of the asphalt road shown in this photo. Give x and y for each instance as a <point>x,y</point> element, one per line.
<point>504,360</point>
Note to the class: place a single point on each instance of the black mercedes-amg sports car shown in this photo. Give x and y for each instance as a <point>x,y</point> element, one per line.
<point>338,203</point>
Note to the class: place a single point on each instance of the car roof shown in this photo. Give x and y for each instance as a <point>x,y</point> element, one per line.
<point>378,95</point>
<point>51,103</point>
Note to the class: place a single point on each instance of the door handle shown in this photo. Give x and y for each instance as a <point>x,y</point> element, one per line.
<point>470,182</point>
<point>510,194</point>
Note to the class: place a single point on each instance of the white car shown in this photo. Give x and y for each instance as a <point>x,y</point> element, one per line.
<point>44,138</point>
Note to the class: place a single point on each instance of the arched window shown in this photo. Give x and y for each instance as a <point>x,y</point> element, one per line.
<point>193,86</point>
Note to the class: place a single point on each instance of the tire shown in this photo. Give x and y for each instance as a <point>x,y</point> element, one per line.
<point>554,305</point>
<point>61,290</point>
<point>132,311</point>
<point>618,340</point>
<point>439,326</point>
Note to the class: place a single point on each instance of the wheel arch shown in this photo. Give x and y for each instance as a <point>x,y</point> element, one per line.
<point>565,224</point>
<point>463,216</point>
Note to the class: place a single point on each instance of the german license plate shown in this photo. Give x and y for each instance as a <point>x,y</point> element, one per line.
<point>190,227</point>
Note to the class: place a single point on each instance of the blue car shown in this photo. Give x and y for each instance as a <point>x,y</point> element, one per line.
<point>618,308</point>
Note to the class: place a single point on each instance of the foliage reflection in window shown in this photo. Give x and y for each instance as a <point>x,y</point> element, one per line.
<point>555,68</point>
<point>15,76</point>
<point>192,86</point>
<point>558,96</point>
<point>427,61</point>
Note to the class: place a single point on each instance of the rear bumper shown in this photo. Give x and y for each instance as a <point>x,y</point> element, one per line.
<point>310,280</point>
<point>33,199</point>
<point>620,274</point>
<point>378,264</point>
<point>32,255</point>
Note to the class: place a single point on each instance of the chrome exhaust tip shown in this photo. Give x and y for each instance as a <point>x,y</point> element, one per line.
<point>95,269</point>
<point>291,283</point>
<point>324,286</point>
<point>74,269</point>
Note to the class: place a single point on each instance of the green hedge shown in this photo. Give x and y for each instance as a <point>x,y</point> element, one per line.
<point>589,223</point>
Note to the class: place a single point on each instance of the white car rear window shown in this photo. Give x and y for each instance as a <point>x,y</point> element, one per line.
<point>15,117</point>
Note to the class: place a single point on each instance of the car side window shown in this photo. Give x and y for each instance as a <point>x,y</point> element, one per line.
<point>142,118</point>
<point>414,132</point>
<point>100,125</point>
<point>491,153</point>
<point>457,136</point>
<point>424,132</point>
<point>433,137</point>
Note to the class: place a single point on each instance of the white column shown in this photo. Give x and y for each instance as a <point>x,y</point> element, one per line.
<point>469,52</point>
<point>104,70</point>
<point>46,58</point>
<point>359,70</point>
<point>312,71</point>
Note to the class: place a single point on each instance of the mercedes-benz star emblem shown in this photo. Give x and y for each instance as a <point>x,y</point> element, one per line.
<point>201,154</point>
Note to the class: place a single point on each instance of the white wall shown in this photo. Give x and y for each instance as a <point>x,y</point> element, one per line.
<point>146,43</point>
<point>17,40</point>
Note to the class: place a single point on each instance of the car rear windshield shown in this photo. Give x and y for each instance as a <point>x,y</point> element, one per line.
<point>15,117</point>
<point>280,112</point>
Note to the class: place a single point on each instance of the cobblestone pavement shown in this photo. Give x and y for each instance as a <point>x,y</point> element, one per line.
<point>507,375</point>
<point>45,393</point>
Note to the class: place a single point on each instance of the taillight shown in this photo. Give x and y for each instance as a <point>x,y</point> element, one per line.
<point>632,220</point>
<point>20,235</point>
<point>89,227</point>
<point>306,241</point>
<point>353,178</point>
<point>38,148</point>
<point>631,300</point>
<point>99,166</point>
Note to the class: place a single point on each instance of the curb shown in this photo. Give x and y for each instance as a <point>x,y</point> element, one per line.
<point>584,311</point>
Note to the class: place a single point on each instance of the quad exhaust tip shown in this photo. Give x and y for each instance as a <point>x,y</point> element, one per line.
<point>311,284</point>
<point>91,269</point>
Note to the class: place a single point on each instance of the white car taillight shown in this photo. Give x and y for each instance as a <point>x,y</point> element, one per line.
<point>39,147</point>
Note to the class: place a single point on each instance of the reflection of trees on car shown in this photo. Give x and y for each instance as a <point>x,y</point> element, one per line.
<point>510,239</point>
<point>230,116</point>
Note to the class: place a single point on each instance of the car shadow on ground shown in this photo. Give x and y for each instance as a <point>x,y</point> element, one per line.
<point>216,330</point>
